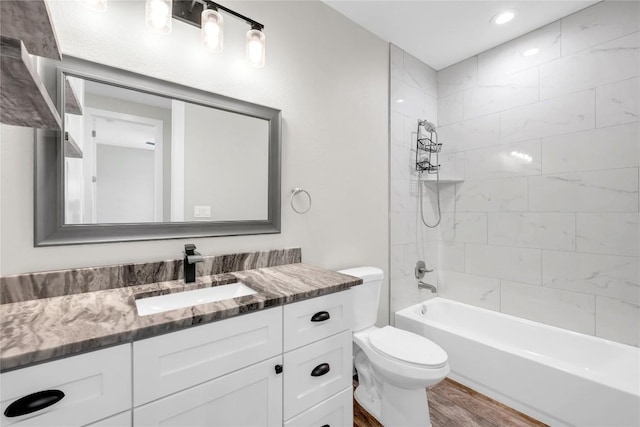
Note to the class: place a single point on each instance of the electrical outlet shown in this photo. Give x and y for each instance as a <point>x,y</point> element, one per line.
<point>202,211</point>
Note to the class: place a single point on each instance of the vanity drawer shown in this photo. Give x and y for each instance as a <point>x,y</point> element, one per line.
<point>316,318</point>
<point>315,372</point>
<point>96,385</point>
<point>337,411</point>
<point>169,363</point>
<point>120,420</point>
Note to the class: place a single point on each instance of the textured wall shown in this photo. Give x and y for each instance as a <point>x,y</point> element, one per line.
<point>545,224</point>
<point>332,91</point>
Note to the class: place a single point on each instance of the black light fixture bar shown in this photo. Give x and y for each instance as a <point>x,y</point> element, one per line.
<point>190,12</point>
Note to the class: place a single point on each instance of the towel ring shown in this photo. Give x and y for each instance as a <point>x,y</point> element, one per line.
<point>295,191</point>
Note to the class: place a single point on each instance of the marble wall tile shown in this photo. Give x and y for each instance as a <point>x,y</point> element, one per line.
<point>565,114</point>
<point>405,99</point>
<point>396,129</point>
<point>503,161</point>
<point>533,230</point>
<point>403,227</point>
<point>447,196</point>
<point>404,293</point>
<point>514,90</point>
<point>450,109</point>
<point>618,320</point>
<point>430,109</point>
<point>402,162</point>
<point>607,148</point>
<point>569,310</point>
<point>605,63</point>
<point>614,190</point>
<point>417,73</point>
<point>458,77</point>
<point>606,275</point>
<point>470,289</point>
<point>507,58</point>
<point>503,262</point>
<point>451,256</point>
<point>396,57</point>
<point>496,195</point>
<point>404,195</point>
<point>396,261</point>
<point>451,168</point>
<point>618,103</point>
<point>470,134</point>
<point>599,23</point>
<point>608,233</point>
<point>463,227</point>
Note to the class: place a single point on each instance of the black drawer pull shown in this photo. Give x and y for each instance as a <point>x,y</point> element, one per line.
<point>320,370</point>
<point>320,316</point>
<point>33,402</point>
<point>326,425</point>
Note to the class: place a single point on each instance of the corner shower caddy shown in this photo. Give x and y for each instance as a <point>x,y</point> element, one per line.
<point>427,148</point>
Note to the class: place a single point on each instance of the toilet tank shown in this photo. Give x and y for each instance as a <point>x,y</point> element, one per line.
<point>365,296</point>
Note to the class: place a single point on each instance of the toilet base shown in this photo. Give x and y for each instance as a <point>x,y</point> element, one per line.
<point>396,407</point>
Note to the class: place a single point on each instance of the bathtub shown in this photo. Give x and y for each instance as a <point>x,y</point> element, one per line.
<point>557,376</point>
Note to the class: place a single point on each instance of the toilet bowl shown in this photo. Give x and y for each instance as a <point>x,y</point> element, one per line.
<point>394,366</point>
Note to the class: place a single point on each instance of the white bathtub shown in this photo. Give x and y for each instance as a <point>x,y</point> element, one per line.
<point>554,375</point>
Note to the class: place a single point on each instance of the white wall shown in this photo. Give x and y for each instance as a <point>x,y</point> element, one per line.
<point>545,225</point>
<point>327,75</point>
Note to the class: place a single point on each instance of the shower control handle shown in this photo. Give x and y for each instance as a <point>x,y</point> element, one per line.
<point>421,269</point>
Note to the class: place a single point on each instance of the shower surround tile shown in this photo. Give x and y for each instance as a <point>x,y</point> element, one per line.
<point>24,287</point>
<point>614,190</point>
<point>470,289</point>
<point>503,161</point>
<point>492,195</point>
<point>608,233</point>
<point>533,230</point>
<point>605,63</point>
<point>565,114</point>
<point>607,20</point>
<point>504,262</point>
<point>458,77</point>
<point>470,134</point>
<point>612,147</point>
<point>617,320</point>
<point>451,256</point>
<point>450,109</point>
<point>569,310</point>
<point>605,275</point>
<point>462,227</point>
<point>618,103</point>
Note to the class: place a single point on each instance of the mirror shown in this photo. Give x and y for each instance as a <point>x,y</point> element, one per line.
<point>139,158</point>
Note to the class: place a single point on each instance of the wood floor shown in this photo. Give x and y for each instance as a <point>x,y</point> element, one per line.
<point>453,405</point>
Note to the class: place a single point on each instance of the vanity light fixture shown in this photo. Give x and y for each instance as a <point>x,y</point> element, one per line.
<point>504,17</point>
<point>531,52</point>
<point>158,15</point>
<point>206,15</point>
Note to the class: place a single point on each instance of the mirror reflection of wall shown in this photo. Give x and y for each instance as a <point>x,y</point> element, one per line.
<point>134,157</point>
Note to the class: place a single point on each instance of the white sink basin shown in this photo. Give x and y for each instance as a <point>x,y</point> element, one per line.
<point>161,303</point>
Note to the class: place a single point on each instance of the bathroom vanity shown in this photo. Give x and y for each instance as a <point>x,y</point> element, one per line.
<point>281,356</point>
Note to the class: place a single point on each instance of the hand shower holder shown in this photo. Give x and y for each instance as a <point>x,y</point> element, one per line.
<point>427,147</point>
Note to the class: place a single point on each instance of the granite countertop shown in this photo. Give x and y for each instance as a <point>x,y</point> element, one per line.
<point>42,329</point>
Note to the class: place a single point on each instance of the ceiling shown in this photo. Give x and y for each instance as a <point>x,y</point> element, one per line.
<point>442,33</point>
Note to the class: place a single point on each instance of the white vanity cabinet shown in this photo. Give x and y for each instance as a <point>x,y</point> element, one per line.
<point>318,362</point>
<point>95,386</point>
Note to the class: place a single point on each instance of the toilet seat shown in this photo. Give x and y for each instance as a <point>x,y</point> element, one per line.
<point>407,347</point>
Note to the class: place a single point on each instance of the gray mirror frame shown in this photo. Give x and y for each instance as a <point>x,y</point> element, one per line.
<point>49,226</point>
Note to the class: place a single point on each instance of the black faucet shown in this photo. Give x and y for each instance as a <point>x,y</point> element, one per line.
<point>191,257</point>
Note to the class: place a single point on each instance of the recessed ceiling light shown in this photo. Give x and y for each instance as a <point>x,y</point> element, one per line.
<point>504,17</point>
<point>531,52</point>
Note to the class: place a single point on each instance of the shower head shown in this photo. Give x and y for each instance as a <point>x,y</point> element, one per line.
<point>428,126</point>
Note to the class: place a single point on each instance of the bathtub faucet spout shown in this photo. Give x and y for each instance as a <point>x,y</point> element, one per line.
<point>423,285</point>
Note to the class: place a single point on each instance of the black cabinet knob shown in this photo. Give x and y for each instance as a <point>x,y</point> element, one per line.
<point>320,316</point>
<point>320,370</point>
<point>33,402</point>
<point>278,369</point>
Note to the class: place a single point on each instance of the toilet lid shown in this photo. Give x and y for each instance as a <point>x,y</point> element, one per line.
<point>408,347</point>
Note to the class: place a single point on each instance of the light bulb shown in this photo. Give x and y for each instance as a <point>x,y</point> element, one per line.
<point>504,17</point>
<point>158,15</point>
<point>531,52</point>
<point>212,25</point>
<point>96,5</point>
<point>256,48</point>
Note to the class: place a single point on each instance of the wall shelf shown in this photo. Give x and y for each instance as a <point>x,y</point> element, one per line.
<point>71,103</point>
<point>30,21</point>
<point>71,148</point>
<point>24,101</point>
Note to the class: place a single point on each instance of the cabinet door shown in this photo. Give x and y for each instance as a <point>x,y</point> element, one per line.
<point>315,372</point>
<point>337,411</point>
<point>169,363</point>
<point>95,385</point>
<point>120,420</point>
<point>248,397</point>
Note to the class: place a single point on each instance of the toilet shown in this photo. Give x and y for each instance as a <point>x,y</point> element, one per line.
<point>394,366</point>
